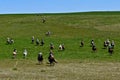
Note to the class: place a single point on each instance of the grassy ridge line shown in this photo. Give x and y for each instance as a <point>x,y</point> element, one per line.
<point>71,13</point>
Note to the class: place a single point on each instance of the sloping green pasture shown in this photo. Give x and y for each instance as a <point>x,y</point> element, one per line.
<point>75,63</point>
<point>69,29</point>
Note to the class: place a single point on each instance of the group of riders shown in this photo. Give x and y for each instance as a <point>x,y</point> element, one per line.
<point>38,42</point>
<point>10,41</point>
<point>51,58</point>
<point>107,45</point>
<point>40,58</point>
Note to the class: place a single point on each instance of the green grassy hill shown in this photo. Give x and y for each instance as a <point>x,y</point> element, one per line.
<point>67,28</point>
<point>75,63</point>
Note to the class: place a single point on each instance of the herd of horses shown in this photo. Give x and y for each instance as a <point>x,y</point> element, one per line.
<point>51,57</point>
<point>107,45</point>
<point>40,58</point>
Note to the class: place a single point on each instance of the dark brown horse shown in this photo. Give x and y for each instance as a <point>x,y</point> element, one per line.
<point>110,50</point>
<point>82,43</point>
<point>51,59</point>
<point>40,58</point>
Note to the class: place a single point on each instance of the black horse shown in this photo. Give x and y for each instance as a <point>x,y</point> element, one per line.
<point>110,50</point>
<point>37,42</point>
<point>33,39</point>
<point>40,58</point>
<point>82,43</point>
<point>105,45</point>
<point>94,48</point>
<point>42,42</point>
<point>51,46</point>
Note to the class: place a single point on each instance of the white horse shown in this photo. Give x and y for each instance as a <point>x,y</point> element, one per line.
<point>60,47</point>
<point>25,53</point>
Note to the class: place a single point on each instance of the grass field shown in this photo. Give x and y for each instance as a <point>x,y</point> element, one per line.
<point>75,62</point>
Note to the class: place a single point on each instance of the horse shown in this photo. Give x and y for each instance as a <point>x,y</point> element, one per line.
<point>63,47</point>
<point>110,50</point>
<point>108,42</point>
<point>82,44</point>
<point>112,44</point>
<point>51,59</point>
<point>40,58</point>
<point>14,53</point>
<point>51,46</point>
<point>48,33</point>
<point>25,53</point>
<point>105,45</point>
<point>10,41</point>
<point>60,47</point>
<point>43,20</point>
<point>94,48</point>
<point>37,42</point>
<point>42,42</point>
<point>33,39</point>
<point>92,43</point>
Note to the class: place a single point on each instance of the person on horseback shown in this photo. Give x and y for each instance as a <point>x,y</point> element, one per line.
<point>25,53</point>
<point>110,49</point>
<point>48,33</point>
<point>42,42</point>
<point>92,42</point>
<point>14,53</point>
<point>40,58</point>
<point>108,42</point>
<point>63,47</point>
<point>51,46</point>
<point>105,44</point>
<point>112,44</point>
<point>11,41</point>
<point>8,40</point>
<point>43,20</point>
<point>94,48</point>
<point>51,58</point>
<point>60,47</point>
<point>33,39</point>
<point>37,41</point>
<point>81,43</point>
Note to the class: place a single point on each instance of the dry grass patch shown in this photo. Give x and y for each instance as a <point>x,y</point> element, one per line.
<point>29,70</point>
<point>113,27</point>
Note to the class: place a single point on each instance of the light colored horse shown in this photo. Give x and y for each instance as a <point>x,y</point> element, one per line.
<point>60,47</point>
<point>14,53</point>
<point>25,53</point>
